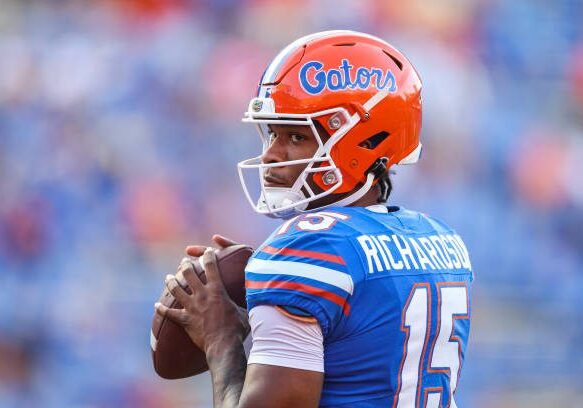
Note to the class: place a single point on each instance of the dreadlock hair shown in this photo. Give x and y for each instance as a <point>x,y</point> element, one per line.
<point>385,187</point>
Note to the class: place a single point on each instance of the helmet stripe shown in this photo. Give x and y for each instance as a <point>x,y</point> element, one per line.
<point>376,98</point>
<point>273,69</point>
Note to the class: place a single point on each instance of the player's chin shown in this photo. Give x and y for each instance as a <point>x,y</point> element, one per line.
<point>323,201</point>
<point>281,182</point>
<point>276,185</point>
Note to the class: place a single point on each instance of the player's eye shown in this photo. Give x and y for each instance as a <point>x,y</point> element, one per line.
<point>271,136</point>
<point>296,138</point>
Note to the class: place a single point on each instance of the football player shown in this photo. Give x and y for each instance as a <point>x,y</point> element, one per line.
<point>351,302</point>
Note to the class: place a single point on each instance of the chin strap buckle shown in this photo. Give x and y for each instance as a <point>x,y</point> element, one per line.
<point>378,168</point>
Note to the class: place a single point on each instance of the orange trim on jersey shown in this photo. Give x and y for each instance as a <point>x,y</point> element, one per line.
<point>432,390</point>
<point>303,319</point>
<point>304,254</point>
<point>302,287</point>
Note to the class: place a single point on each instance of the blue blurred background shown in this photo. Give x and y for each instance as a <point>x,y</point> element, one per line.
<point>119,136</point>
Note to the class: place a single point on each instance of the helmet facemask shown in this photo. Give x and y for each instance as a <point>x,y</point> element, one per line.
<point>283,202</point>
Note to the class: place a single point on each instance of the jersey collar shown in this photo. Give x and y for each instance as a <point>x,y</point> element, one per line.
<point>378,208</point>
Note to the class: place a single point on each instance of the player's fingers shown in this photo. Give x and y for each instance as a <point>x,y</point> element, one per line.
<point>196,265</point>
<point>176,315</point>
<point>176,290</point>
<point>195,250</point>
<point>211,269</point>
<point>187,262</point>
<point>190,276</point>
<point>223,242</point>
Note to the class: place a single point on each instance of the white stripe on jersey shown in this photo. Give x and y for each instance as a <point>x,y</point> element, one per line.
<point>330,276</point>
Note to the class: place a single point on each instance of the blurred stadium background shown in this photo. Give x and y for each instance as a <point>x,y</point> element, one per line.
<point>119,136</point>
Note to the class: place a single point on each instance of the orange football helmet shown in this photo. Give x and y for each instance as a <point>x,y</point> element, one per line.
<point>359,88</point>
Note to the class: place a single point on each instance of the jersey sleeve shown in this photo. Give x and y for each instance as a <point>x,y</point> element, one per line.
<point>302,271</point>
<point>281,341</point>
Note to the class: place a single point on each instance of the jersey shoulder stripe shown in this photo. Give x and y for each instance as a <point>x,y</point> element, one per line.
<point>303,253</point>
<point>329,276</point>
<point>304,267</point>
<point>300,287</point>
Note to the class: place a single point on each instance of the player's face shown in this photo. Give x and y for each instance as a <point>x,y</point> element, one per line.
<point>287,142</point>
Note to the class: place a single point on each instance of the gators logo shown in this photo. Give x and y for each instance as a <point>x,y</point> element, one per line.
<point>314,79</point>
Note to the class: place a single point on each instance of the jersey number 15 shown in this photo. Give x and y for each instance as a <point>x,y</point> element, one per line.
<point>445,352</point>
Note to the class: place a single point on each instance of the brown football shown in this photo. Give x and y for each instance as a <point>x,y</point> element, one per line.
<point>173,353</point>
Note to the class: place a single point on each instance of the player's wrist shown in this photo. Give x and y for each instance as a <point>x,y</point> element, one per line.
<point>233,330</point>
<point>223,349</point>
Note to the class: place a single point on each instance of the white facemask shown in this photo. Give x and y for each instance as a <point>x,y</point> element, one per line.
<point>284,202</point>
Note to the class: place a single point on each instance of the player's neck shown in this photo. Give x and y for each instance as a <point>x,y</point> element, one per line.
<point>370,198</point>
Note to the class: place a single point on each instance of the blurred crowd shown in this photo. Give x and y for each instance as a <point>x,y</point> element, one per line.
<point>119,136</point>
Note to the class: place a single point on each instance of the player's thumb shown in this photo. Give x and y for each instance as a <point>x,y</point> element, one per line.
<point>223,242</point>
<point>195,250</point>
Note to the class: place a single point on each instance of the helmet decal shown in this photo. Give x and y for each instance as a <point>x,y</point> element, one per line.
<point>314,79</point>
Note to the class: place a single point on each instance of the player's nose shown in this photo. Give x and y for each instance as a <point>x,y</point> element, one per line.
<point>275,153</point>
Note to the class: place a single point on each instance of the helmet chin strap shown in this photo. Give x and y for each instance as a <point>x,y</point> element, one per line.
<point>280,197</point>
<point>357,195</point>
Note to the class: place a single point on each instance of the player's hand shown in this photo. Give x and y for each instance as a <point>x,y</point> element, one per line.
<point>209,316</point>
<point>220,241</point>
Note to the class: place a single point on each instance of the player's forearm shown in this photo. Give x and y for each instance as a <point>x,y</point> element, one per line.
<point>228,365</point>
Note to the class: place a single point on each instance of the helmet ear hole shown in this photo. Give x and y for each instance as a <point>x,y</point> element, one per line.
<point>372,142</point>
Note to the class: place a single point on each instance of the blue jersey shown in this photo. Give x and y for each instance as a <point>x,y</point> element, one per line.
<point>391,292</point>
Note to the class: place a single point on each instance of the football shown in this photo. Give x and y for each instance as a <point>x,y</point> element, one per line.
<point>173,353</point>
